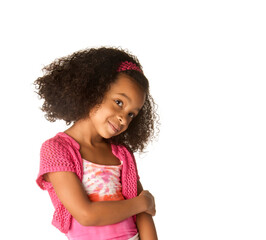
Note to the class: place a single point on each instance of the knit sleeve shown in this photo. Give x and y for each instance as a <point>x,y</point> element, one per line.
<point>134,160</point>
<point>54,157</point>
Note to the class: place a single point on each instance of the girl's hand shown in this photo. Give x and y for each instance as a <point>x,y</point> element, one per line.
<point>149,201</point>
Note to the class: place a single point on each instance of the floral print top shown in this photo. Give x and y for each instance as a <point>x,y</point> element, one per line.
<point>102,182</point>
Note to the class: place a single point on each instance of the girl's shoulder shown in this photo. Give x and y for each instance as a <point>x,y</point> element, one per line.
<point>123,153</point>
<point>60,142</point>
<point>121,149</point>
<point>58,153</point>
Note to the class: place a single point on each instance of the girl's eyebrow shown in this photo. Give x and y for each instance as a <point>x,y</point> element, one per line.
<point>128,98</point>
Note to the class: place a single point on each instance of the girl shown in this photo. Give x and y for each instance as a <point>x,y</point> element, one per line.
<point>89,170</point>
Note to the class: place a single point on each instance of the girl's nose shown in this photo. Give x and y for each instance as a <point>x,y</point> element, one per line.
<point>122,120</point>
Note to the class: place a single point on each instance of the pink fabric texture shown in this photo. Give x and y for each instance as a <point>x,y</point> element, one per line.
<point>125,229</point>
<point>102,182</point>
<point>61,153</point>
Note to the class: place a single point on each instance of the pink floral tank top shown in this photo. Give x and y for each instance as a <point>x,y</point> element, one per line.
<point>102,183</point>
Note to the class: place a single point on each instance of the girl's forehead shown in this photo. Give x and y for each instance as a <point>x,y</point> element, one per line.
<point>128,88</point>
<point>124,82</point>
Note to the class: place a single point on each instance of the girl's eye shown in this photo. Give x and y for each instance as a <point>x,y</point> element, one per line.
<point>119,103</point>
<point>132,115</point>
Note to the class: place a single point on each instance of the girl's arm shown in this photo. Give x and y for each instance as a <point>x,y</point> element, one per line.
<point>71,193</point>
<point>145,224</point>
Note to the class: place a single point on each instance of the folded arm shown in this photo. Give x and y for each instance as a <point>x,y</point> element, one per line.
<point>145,224</point>
<point>71,193</point>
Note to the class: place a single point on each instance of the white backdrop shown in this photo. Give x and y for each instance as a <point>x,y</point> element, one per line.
<point>206,65</point>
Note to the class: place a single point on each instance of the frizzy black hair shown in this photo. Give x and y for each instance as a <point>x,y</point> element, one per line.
<point>71,86</point>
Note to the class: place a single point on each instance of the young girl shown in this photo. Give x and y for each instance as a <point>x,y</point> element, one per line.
<point>89,170</point>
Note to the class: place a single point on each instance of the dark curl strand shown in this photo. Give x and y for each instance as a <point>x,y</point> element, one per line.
<point>71,86</point>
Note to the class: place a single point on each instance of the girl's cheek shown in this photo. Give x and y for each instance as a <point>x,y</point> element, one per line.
<point>114,108</point>
<point>110,110</point>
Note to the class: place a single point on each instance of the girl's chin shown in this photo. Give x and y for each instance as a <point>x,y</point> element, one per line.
<point>108,135</point>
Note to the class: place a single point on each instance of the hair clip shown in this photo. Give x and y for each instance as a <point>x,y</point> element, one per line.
<point>128,66</point>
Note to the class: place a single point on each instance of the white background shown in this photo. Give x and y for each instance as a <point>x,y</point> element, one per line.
<point>206,65</point>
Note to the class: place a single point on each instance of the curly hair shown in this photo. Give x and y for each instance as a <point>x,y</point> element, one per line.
<point>71,86</point>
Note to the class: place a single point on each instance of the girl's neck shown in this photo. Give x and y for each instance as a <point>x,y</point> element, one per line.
<point>83,133</point>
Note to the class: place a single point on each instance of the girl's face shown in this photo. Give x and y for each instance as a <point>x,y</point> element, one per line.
<point>120,105</point>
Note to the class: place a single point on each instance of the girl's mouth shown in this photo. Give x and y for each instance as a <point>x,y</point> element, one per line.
<point>114,128</point>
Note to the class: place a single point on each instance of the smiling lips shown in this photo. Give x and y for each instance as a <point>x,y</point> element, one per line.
<point>114,127</point>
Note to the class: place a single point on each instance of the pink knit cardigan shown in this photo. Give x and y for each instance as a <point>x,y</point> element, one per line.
<point>61,153</point>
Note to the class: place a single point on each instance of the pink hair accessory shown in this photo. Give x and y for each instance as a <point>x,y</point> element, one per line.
<point>128,66</point>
